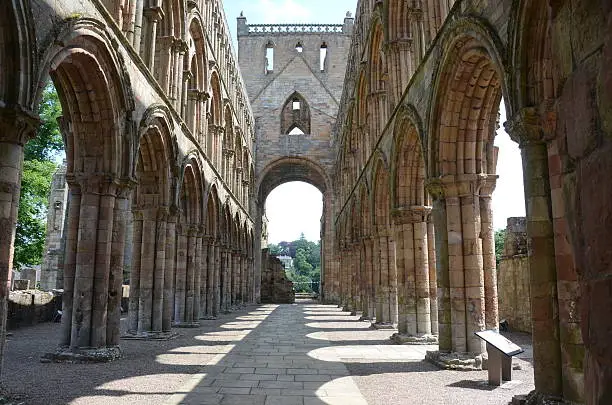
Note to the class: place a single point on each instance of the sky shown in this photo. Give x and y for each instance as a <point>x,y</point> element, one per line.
<point>293,208</point>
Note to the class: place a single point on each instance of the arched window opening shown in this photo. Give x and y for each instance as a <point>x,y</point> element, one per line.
<point>323,57</point>
<point>295,116</point>
<point>269,57</point>
<point>299,47</point>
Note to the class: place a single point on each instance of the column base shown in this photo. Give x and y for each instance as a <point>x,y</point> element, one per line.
<point>382,325</point>
<point>208,318</point>
<point>401,339</point>
<point>366,318</point>
<point>186,325</point>
<point>149,336</point>
<point>536,398</point>
<point>455,361</point>
<point>82,355</point>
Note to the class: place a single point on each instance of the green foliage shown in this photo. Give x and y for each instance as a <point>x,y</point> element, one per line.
<point>306,270</point>
<point>38,169</point>
<point>500,237</point>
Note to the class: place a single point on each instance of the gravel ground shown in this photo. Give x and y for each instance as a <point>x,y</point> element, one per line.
<point>151,371</point>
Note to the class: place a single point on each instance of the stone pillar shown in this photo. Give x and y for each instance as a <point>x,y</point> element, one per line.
<point>159,271</point>
<point>117,259</point>
<point>244,278</point>
<point>210,280</point>
<point>369,278</point>
<point>181,274</point>
<point>198,271</point>
<point>524,128</point>
<point>433,279</point>
<point>217,280</point>
<point>169,272</point>
<point>204,277</point>
<point>16,128</point>
<point>414,324</point>
<point>152,16</point>
<point>488,255</point>
<point>442,273</point>
<point>386,295</point>
<point>190,277</point>
<point>90,326</point>
<point>165,61</point>
<point>178,91</point>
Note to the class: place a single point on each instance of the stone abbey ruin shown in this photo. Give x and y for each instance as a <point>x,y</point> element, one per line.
<point>173,143</point>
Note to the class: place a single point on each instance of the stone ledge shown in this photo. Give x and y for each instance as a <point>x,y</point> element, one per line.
<point>400,339</point>
<point>80,356</point>
<point>186,325</point>
<point>377,325</point>
<point>150,336</point>
<point>455,361</point>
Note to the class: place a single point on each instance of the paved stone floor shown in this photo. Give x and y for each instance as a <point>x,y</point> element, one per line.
<point>304,354</point>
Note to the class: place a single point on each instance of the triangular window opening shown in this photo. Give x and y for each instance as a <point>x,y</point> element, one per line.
<point>296,131</point>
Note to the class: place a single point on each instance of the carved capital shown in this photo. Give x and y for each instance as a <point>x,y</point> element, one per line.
<point>154,14</point>
<point>17,126</point>
<point>525,127</point>
<point>180,46</point>
<point>410,215</point>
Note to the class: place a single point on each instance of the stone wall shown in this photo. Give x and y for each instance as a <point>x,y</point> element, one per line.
<point>275,287</point>
<point>51,270</point>
<point>513,278</point>
<point>31,307</point>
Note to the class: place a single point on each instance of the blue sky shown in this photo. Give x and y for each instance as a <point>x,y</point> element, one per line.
<point>293,208</point>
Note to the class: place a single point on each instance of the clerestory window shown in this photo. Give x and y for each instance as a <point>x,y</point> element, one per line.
<point>269,63</point>
<point>323,57</point>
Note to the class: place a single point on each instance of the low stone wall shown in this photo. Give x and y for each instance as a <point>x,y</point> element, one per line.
<point>31,307</point>
<point>275,287</point>
<point>513,278</point>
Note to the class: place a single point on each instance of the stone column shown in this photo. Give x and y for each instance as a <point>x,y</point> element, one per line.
<point>369,283</point>
<point>244,278</point>
<point>210,279</point>
<point>198,271</point>
<point>163,69</point>
<point>16,128</point>
<point>117,259</point>
<point>179,48</point>
<point>217,280</point>
<point>204,277</point>
<point>190,276</point>
<point>413,264</point>
<point>169,271</point>
<point>90,326</point>
<point>152,16</point>
<point>433,279</point>
<point>525,129</point>
<point>181,274</point>
<point>159,271</point>
<point>488,254</point>
<point>147,269</point>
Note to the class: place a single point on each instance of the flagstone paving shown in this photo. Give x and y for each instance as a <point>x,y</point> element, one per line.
<point>306,354</point>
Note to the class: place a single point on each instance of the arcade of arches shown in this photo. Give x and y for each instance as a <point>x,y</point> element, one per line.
<point>159,130</point>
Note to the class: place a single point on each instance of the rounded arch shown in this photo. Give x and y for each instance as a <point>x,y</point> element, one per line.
<point>154,163</point>
<point>408,172</point>
<point>212,212</point>
<point>469,86</point>
<point>16,55</point>
<point>215,106</point>
<point>190,193</point>
<point>96,99</point>
<point>534,85</point>
<point>381,203</point>
<point>289,169</point>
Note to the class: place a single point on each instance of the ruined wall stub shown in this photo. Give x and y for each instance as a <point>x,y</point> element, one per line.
<point>294,76</point>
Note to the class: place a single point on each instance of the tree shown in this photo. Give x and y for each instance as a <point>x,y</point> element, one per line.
<point>500,238</point>
<point>38,168</point>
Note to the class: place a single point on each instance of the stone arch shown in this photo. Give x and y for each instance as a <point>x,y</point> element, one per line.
<point>295,114</point>
<point>384,250</point>
<point>215,123</point>
<point>408,171</point>
<point>463,144</point>
<point>189,246</point>
<point>96,99</point>
<point>196,68</point>
<point>92,91</point>
<point>16,51</point>
<point>150,306</point>
<point>291,169</point>
<point>377,81</point>
<point>462,158</point>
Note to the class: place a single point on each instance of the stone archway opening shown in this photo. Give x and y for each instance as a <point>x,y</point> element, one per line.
<point>292,233</point>
<point>291,172</point>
